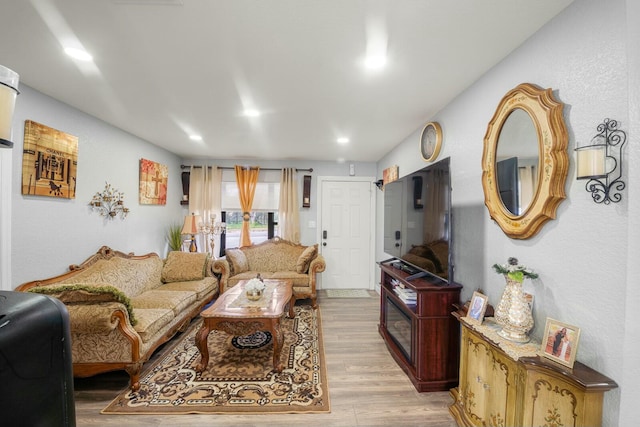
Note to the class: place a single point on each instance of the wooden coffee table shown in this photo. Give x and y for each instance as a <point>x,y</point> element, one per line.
<point>230,315</point>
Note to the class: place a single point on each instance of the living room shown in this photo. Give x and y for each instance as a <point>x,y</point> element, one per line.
<point>589,55</point>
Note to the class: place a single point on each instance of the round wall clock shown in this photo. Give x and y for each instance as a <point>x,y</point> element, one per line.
<point>430,141</point>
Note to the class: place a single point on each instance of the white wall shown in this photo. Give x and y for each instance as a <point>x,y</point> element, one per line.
<point>49,234</point>
<point>582,255</point>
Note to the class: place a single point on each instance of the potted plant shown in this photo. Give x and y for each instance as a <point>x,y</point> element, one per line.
<point>174,237</point>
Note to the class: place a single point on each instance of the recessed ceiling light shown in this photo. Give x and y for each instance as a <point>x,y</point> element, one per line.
<point>251,113</point>
<point>342,140</point>
<point>375,62</point>
<point>79,54</point>
<point>195,137</point>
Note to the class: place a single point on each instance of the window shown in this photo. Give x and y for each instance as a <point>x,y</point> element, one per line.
<point>264,212</point>
<point>263,226</point>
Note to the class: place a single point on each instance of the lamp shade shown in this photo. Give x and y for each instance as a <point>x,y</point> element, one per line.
<point>190,224</point>
<point>8,92</point>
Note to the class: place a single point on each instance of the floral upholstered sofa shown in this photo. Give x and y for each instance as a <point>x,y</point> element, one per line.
<point>122,307</point>
<point>274,259</point>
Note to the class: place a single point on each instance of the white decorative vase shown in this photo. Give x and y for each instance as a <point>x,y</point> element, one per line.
<point>514,313</point>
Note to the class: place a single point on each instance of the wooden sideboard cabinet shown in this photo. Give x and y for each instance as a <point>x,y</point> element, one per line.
<point>422,337</point>
<point>502,386</point>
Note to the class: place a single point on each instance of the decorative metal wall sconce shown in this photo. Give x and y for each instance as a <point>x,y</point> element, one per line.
<point>109,203</point>
<point>602,158</point>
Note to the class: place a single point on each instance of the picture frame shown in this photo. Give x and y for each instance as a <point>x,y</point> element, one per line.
<point>529,299</point>
<point>560,342</point>
<point>49,162</point>
<point>153,183</point>
<point>389,174</point>
<point>477,307</point>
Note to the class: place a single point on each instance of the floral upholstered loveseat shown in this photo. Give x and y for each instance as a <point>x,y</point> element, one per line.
<point>274,259</point>
<point>122,307</point>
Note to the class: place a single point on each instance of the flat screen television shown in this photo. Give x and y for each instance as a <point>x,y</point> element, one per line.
<point>417,222</point>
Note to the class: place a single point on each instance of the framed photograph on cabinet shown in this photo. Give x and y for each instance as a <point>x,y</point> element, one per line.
<point>477,307</point>
<point>560,342</point>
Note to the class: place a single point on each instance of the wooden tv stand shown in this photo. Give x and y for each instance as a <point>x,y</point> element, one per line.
<point>424,338</point>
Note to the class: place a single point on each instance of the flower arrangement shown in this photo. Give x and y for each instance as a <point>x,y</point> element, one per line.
<point>514,271</point>
<point>254,285</point>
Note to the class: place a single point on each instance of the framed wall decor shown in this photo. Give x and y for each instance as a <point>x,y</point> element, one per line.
<point>430,141</point>
<point>389,174</point>
<point>49,162</point>
<point>560,342</point>
<point>153,183</point>
<point>477,307</point>
<point>306,191</point>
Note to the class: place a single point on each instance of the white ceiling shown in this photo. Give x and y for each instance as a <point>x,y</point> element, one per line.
<point>163,69</point>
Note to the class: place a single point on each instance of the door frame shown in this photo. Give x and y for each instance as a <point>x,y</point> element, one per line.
<point>372,202</point>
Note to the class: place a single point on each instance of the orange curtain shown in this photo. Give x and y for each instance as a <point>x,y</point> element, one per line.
<point>247,180</point>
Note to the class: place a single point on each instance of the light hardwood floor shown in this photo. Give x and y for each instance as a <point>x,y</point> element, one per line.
<point>366,386</point>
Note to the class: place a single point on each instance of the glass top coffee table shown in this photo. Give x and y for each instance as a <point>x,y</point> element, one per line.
<point>234,314</point>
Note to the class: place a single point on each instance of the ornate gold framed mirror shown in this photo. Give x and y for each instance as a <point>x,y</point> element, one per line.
<point>525,161</point>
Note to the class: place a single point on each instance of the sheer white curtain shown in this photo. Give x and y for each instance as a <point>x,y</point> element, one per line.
<point>288,217</point>
<point>204,199</point>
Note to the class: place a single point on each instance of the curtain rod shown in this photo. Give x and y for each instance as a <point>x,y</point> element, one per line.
<point>262,169</point>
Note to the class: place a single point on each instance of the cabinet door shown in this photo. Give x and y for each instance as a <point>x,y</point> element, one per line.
<point>485,384</point>
<point>473,386</point>
<point>500,376</point>
<point>551,401</point>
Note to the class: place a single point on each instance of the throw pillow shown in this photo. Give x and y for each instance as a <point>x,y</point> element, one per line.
<point>237,261</point>
<point>184,266</point>
<point>305,258</point>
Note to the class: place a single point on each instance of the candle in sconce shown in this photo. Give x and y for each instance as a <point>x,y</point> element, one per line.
<point>591,161</point>
<point>8,93</point>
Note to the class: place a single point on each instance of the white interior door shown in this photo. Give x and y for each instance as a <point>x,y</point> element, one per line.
<point>346,237</point>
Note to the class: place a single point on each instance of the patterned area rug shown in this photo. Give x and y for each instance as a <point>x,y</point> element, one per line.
<point>347,293</point>
<point>239,378</point>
